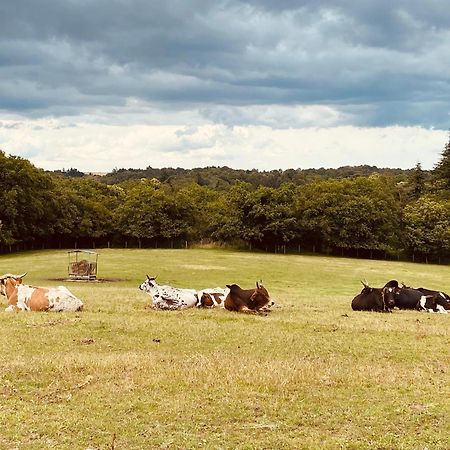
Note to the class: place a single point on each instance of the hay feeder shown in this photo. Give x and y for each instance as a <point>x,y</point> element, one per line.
<point>82,265</point>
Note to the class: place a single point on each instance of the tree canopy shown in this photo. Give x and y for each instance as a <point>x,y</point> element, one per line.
<point>347,211</point>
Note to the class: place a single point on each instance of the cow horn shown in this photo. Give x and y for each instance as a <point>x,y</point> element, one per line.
<point>11,275</point>
<point>365,283</point>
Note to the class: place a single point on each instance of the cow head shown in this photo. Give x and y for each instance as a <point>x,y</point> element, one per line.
<point>260,297</point>
<point>11,279</point>
<point>148,284</point>
<point>388,294</point>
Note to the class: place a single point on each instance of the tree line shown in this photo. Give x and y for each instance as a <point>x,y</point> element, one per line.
<point>362,212</point>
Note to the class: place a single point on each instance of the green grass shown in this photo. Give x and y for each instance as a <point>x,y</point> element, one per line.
<point>311,375</point>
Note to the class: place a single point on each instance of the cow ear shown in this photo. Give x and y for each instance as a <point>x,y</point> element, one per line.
<point>228,286</point>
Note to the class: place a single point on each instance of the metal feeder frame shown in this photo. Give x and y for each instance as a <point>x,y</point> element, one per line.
<point>86,271</point>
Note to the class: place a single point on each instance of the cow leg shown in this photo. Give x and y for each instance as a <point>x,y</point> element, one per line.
<point>246,310</point>
<point>12,308</point>
<point>421,304</point>
<point>260,311</point>
<point>440,305</point>
<point>267,308</point>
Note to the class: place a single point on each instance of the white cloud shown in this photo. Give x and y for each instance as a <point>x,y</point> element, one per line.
<point>58,143</point>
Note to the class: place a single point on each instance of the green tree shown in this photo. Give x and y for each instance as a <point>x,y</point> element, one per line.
<point>26,197</point>
<point>259,217</point>
<point>427,227</point>
<point>204,207</point>
<point>360,213</point>
<point>442,168</point>
<point>417,181</point>
<point>148,212</point>
<point>233,209</point>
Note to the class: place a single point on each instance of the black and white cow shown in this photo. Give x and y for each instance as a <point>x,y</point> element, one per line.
<point>168,297</point>
<point>420,299</point>
<point>439,299</point>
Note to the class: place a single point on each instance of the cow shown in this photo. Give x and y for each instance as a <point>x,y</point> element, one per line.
<point>251,301</point>
<point>409,298</point>
<point>212,298</point>
<point>168,297</point>
<point>22,297</point>
<point>440,300</point>
<point>421,299</point>
<point>374,299</point>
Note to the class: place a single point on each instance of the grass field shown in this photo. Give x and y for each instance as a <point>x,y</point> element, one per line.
<point>311,375</point>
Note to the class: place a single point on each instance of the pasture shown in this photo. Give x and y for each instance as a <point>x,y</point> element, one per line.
<point>313,374</point>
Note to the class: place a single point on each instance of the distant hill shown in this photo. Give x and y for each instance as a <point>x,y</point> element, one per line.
<point>222,177</point>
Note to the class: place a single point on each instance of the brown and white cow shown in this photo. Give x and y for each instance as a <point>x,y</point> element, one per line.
<point>212,297</point>
<point>22,297</point>
<point>248,300</point>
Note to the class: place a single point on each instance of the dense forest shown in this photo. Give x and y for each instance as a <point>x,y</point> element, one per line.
<point>353,211</point>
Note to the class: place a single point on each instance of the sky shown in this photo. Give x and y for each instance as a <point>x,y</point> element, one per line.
<point>103,84</point>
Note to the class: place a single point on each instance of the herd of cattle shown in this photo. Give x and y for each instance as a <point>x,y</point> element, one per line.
<point>232,298</point>
<point>22,297</point>
<point>391,295</point>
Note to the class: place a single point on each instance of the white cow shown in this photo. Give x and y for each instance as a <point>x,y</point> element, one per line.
<point>22,297</point>
<point>168,297</point>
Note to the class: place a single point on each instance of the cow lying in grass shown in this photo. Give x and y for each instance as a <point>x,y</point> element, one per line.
<point>212,298</point>
<point>233,298</point>
<point>439,302</point>
<point>22,297</point>
<point>374,299</point>
<point>168,297</point>
<point>421,299</point>
<point>251,301</point>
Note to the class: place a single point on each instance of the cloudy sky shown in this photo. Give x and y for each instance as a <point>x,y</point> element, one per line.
<point>103,84</point>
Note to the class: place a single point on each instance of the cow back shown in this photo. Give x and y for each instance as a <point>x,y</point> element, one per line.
<point>407,298</point>
<point>252,299</point>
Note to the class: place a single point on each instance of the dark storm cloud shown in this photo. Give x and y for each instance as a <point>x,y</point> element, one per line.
<point>388,59</point>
